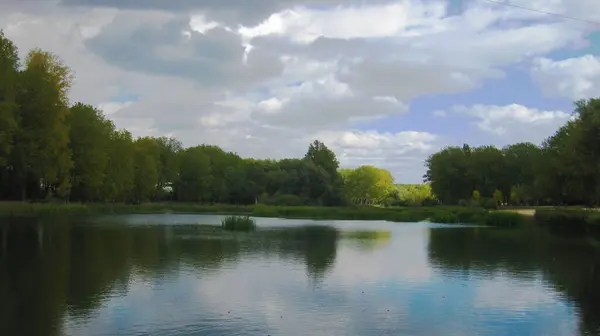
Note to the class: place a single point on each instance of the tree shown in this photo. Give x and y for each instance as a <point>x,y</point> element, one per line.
<point>448,174</point>
<point>368,185</point>
<point>323,157</point>
<point>146,173</point>
<point>168,169</point>
<point>194,180</point>
<point>120,173</point>
<point>89,143</point>
<point>42,153</point>
<point>9,72</point>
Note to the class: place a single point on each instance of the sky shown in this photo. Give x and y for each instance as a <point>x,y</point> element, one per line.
<point>380,82</point>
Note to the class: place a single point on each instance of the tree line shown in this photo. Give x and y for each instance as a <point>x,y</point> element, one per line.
<point>563,170</point>
<point>51,149</point>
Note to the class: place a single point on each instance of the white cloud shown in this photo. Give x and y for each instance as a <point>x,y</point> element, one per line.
<point>404,250</point>
<point>110,108</point>
<point>401,153</point>
<point>501,293</point>
<point>573,78</point>
<point>200,24</point>
<point>261,77</point>
<point>515,122</point>
<point>439,113</point>
<point>304,25</point>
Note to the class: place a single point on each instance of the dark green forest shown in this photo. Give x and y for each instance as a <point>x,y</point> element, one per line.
<point>563,170</point>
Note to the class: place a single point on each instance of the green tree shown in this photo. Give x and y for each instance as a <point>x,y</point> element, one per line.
<point>42,153</point>
<point>120,173</point>
<point>90,136</point>
<point>194,180</point>
<point>9,74</point>
<point>448,174</point>
<point>325,158</point>
<point>476,195</point>
<point>146,173</point>
<point>368,185</point>
<point>168,168</point>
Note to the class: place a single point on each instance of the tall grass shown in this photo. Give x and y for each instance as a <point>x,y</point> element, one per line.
<point>504,219</point>
<point>238,223</point>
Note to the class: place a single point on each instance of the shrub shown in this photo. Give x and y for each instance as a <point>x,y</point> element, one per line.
<point>429,201</point>
<point>442,216</point>
<point>505,219</point>
<point>489,203</point>
<point>468,214</point>
<point>264,211</point>
<point>283,199</point>
<point>238,223</point>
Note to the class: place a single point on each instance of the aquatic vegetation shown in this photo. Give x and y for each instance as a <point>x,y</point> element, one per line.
<point>238,223</point>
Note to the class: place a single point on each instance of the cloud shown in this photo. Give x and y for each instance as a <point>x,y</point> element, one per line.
<point>501,293</point>
<point>401,153</point>
<point>439,113</point>
<point>574,78</point>
<point>514,122</point>
<point>262,77</point>
<point>246,12</point>
<point>305,25</point>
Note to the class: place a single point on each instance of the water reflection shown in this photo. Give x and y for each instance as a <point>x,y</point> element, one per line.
<point>134,276</point>
<point>515,264</point>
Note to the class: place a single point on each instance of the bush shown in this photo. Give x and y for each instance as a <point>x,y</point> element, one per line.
<point>429,201</point>
<point>238,223</point>
<point>463,203</point>
<point>264,211</point>
<point>285,200</point>
<point>444,217</point>
<point>504,219</point>
<point>489,203</point>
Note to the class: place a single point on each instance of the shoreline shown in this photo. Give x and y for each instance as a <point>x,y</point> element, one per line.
<point>444,214</point>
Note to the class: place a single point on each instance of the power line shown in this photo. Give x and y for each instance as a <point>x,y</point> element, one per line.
<point>544,12</point>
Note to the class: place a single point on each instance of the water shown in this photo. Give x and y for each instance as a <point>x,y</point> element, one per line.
<point>175,275</point>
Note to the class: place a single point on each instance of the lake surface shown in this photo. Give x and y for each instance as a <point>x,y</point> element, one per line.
<point>177,275</point>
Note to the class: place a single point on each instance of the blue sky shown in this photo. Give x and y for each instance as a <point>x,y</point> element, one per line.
<point>370,79</point>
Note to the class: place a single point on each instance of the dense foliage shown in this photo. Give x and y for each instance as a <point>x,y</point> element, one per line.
<point>564,170</point>
<point>54,150</point>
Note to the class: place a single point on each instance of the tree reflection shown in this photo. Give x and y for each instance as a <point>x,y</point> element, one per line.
<point>71,267</point>
<point>368,240</point>
<point>570,265</point>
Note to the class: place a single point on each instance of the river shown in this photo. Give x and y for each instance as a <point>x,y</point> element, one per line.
<point>181,275</point>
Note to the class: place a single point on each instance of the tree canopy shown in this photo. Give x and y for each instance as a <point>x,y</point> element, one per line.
<point>563,170</point>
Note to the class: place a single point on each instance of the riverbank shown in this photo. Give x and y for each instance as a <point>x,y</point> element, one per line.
<point>439,214</point>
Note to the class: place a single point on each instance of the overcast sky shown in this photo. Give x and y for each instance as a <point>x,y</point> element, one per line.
<point>380,82</point>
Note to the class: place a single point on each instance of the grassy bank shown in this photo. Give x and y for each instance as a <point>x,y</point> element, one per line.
<point>26,209</point>
<point>438,214</point>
